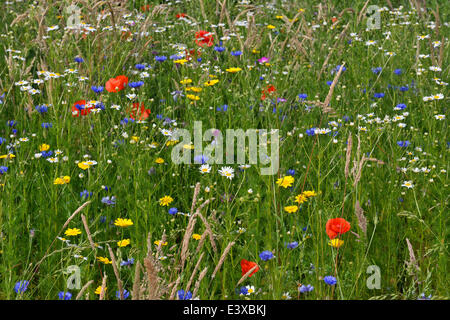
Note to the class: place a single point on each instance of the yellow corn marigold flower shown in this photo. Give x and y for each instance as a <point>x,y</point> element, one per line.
<point>10,155</point>
<point>301,198</point>
<point>44,147</point>
<point>210,83</point>
<point>123,243</point>
<point>104,260</point>
<point>309,194</point>
<point>159,160</point>
<point>193,97</point>
<point>180,61</point>
<point>270,26</point>
<point>291,209</point>
<point>99,290</point>
<point>286,181</point>
<point>196,236</point>
<point>72,232</point>
<point>186,81</point>
<point>188,146</point>
<point>194,89</point>
<point>336,243</point>
<point>165,201</point>
<point>123,222</point>
<point>58,181</point>
<point>83,165</point>
<point>233,70</point>
<point>157,242</point>
<point>66,179</point>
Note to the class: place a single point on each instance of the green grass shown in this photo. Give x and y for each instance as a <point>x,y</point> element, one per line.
<point>33,210</point>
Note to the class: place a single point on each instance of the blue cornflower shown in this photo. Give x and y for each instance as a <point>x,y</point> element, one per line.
<point>305,289</point>
<point>64,295</point>
<point>329,83</point>
<point>403,144</point>
<point>173,211</point>
<point>41,109</point>
<point>85,194</point>
<point>135,84</point>
<point>126,120</point>
<point>291,172</point>
<point>243,291</point>
<point>2,140</point>
<point>424,297</point>
<point>302,96</point>
<point>378,95</point>
<point>11,123</point>
<point>330,280</point>
<point>337,69</point>
<point>140,66</point>
<point>292,245</point>
<point>159,116</point>
<point>3,170</point>
<point>97,89</point>
<point>110,201</point>
<point>311,132</point>
<point>126,294</point>
<point>236,53</point>
<point>46,154</point>
<point>377,70</point>
<point>222,108</point>
<point>21,286</point>
<point>161,58</point>
<point>184,295</point>
<point>46,125</point>
<point>175,57</point>
<point>79,59</point>
<point>200,159</point>
<point>219,48</point>
<point>127,262</point>
<point>398,71</point>
<point>266,255</point>
<point>400,106</point>
<point>404,88</point>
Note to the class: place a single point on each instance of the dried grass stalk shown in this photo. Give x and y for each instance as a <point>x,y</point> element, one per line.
<point>197,284</point>
<point>86,228</point>
<point>103,288</point>
<point>348,155</point>
<point>116,271</point>
<point>246,275</point>
<point>83,289</point>
<point>222,258</point>
<point>153,280</point>
<point>197,265</point>
<point>135,294</point>
<point>362,220</point>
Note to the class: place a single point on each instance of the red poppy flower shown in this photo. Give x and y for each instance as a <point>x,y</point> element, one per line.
<point>337,227</point>
<point>145,8</point>
<point>268,90</point>
<point>116,84</point>
<point>79,107</point>
<point>247,265</point>
<point>139,111</point>
<point>181,15</point>
<point>204,37</point>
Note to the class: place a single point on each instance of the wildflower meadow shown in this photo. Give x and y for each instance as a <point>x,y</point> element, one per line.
<point>224,150</point>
